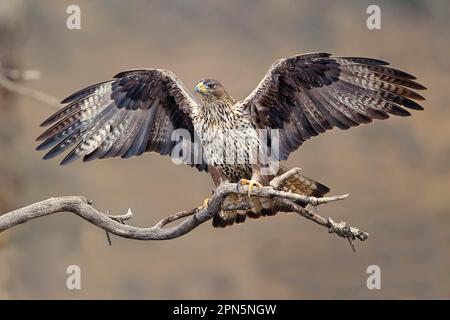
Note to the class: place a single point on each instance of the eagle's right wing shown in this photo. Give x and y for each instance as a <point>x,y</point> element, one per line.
<point>132,114</point>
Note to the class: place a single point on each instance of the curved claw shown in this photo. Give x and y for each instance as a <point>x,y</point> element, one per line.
<point>205,204</point>
<point>251,184</point>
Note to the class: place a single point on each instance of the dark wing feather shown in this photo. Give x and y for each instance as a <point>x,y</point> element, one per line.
<point>306,95</point>
<point>132,114</point>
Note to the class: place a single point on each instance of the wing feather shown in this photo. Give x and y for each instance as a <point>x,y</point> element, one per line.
<point>305,95</point>
<point>134,113</point>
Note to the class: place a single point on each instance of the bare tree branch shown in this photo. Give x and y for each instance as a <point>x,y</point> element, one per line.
<point>284,202</point>
<point>115,224</point>
<point>6,76</point>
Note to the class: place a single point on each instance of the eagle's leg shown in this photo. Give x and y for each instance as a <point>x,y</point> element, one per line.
<point>226,218</point>
<point>258,204</point>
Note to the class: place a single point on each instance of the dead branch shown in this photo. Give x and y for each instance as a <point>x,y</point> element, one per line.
<point>9,81</point>
<point>284,202</point>
<point>115,224</point>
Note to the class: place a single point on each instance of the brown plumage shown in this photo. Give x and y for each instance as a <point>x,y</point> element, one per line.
<point>298,183</point>
<point>301,96</point>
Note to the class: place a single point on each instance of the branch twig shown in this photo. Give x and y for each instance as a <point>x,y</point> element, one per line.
<point>16,87</point>
<point>284,202</point>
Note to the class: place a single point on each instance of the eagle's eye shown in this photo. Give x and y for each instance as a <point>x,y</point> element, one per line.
<point>211,85</point>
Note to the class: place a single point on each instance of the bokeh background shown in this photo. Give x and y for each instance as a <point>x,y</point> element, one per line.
<point>397,171</point>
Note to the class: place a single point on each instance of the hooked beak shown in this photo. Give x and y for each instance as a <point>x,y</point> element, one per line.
<point>200,88</point>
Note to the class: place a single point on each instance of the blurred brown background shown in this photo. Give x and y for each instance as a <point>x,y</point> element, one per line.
<point>397,171</point>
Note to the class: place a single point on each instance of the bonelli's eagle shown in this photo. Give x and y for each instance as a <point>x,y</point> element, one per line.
<point>299,97</point>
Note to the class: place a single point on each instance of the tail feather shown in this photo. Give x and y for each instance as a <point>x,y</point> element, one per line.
<point>298,183</point>
<point>304,186</point>
<point>229,217</point>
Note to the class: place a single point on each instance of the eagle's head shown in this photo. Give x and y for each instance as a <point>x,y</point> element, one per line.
<point>210,89</point>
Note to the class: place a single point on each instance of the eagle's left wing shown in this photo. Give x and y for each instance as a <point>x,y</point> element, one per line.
<point>305,95</point>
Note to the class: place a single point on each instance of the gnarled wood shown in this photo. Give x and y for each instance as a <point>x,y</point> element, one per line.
<point>284,202</point>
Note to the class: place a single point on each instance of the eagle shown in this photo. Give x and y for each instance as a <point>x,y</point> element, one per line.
<point>298,98</point>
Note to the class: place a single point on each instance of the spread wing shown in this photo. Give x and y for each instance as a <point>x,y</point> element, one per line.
<point>305,95</point>
<point>134,113</point>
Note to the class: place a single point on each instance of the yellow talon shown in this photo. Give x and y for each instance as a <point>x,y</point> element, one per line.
<point>205,204</point>
<point>251,184</point>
